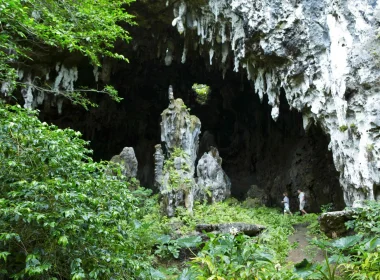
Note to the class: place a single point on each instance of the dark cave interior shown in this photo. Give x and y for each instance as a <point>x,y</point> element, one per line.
<point>274,156</point>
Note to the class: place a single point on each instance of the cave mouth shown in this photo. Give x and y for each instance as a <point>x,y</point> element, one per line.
<point>273,156</point>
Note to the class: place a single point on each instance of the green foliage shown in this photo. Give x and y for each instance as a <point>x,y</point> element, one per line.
<point>169,248</point>
<point>343,128</point>
<point>370,147</point>
<point>176,180</point>
<point>229,256</point>
<point>325,271</point>
<point>34,28</point>
<point>61,214</point>
<point>327,207</point>
<point>275,237</point>
<point>357,256</point>
<point>366,219</point>
<point>252,203</point>
<point>202,92</point>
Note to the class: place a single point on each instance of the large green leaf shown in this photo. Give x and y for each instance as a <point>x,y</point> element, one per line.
<point>372,244</point>
<point>346,242</point>
<point>189,241</point>
<point>187,274</point>
<point>304,268</point>
<point>163,239</point>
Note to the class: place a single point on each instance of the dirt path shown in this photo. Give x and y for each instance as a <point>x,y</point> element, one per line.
<point>303,250</point>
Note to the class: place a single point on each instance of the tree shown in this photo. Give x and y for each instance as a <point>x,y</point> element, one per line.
<point>63,216</point>
<point>30,29</point>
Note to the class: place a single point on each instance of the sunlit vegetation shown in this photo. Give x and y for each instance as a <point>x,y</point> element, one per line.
<point>31,29</point>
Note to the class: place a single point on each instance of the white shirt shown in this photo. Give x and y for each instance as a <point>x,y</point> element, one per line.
<point>301,196</point>
<point>286,201</point>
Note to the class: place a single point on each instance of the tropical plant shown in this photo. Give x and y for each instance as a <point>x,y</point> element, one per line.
<point>356,257</point>
<point>169,248</point>
<point>202,91</point>
<point>176,181</point>
<point>231,256</point>
<point>62,216</point>
<point>31,29</point>
<point>366,218</point>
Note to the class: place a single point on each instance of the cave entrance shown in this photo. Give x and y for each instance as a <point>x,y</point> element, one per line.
<point>256,151</point>
<point>264,158</point>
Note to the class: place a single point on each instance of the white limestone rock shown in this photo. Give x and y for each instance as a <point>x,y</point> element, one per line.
<point>324,54</point>
<point>213,183</point>
<point>175,157</point>
<point>128,161</point>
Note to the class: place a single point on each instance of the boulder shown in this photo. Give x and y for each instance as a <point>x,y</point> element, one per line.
<point>333,223</point>
<point>247,229</point>
<point>128,161</point>
<point>213,183</point>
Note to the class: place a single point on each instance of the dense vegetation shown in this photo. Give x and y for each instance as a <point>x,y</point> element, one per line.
<point>64,216</point>
<point>32,29</point>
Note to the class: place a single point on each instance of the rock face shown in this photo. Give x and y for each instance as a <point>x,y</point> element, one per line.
<point>213,183</point>
<point>323,54</point>
<point>175,161</point>
<point>333,223</point>
<point>175,157</point>
<point>128,162</point>
<point>247,229</point>
<point>255,192</point>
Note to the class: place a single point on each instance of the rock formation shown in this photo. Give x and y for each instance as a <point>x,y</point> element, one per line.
<point>333,223</point>
<point>247,229</point>
<point>324,54</point>
<point>213,183</point>
<point>175,161</point>
<point>127,161</point>
<point>175,157</point>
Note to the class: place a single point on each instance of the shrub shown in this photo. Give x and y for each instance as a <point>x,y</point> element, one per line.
<point>357,256</point>
<point>230,256</point>
<point>202,92</point>
<point>61,215</point>
<point>343,128</point>
<point>366,219</point>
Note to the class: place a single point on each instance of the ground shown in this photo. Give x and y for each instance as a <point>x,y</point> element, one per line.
<point>303,250</point>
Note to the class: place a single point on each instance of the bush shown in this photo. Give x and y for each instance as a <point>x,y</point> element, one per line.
<point>357,256</point>
<point>230,256</point>
<point>366,219</point>
<point>61,215</point>
<point>202,91</point>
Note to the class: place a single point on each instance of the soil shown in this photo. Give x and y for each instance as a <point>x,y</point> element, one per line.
<point>303,250</point>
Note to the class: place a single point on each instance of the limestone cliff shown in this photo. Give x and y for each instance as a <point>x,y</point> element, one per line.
<point>324,54</point>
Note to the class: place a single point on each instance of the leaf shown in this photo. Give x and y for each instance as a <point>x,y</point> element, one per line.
<point>304,268</point>
<point>63,240</point>
<point>187,274</point>
<point>263,256</point>
<point>372,244</point>
<point>189,241</point>
<point>346,242</point>
<point>4,255</point>
<point>163,239</point>
<point>156,274</point>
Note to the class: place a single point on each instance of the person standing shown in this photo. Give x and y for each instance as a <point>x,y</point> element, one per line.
<point>301,197</point>
<point>286,204</point>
